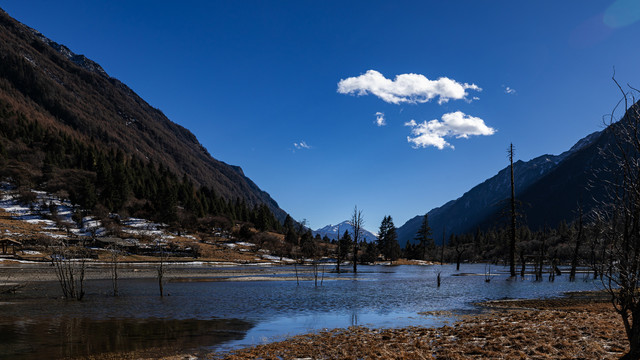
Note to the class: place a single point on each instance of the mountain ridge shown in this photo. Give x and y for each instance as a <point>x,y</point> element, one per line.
<point>68,92</point>
<point>335,231</point>
<point>478,206</point>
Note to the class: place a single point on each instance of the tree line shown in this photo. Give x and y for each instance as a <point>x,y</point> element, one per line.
<point>34,156</point>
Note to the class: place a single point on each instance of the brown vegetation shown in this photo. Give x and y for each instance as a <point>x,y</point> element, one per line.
<point>567,329</point>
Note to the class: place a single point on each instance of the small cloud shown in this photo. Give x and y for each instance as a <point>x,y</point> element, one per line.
<point>475,98</point>
<point>301,145</point>
<point>380,121</point>
<point>456,124</point>
<point>509,90</point>
<point>406,88</point>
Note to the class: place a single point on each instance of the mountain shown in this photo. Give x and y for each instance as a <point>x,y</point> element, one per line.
<point>332,231</point>
<point>549,188</point>
<point>44,85</point>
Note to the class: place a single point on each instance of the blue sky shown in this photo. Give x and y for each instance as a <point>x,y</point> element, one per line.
<point>258,83</point>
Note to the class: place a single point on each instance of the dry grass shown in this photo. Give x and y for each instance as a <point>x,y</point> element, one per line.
<point>210,252</point>
<point>573,329</point>
<point>26,229</point>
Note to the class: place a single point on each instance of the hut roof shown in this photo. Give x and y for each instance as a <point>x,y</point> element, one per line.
<point>7,240</point>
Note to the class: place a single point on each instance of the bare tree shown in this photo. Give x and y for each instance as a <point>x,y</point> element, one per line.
<point>357,222</point>
<point>512,240</point>
<point>443,245</point>
<point>114,253</point>
<point>460,247</point>
<point>523,263</point>
<point>70,265</point>
<point>619,219</point>
<point>576,251</point>
<point>542,253</point>
<point>161,270</point>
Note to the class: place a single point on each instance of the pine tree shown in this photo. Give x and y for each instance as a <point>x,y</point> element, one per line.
<point>388,239</point>
<point>308,245</point>
<point>88,198</point>
<point>291,237</point>
<point>423,236</point>
<point>343,248</point>
<point>371,253</point>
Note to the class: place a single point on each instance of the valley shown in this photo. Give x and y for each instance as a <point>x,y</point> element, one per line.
<point>138,182</point>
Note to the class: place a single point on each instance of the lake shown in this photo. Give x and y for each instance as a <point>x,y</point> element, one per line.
<point>220,315</point>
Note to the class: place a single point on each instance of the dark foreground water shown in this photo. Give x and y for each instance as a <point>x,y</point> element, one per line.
<point>37,324</point>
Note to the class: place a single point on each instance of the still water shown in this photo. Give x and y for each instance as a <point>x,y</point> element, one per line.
<point>225,315</point>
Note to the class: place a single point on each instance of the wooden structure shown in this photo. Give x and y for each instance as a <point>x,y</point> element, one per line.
<point>7,244</point>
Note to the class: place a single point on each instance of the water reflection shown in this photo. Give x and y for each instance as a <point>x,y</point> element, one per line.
<point>379,296</point>
<point>65,337</point>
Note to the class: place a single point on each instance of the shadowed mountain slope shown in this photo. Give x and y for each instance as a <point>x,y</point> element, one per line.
<point>548,187</point>
<point>69,93</point>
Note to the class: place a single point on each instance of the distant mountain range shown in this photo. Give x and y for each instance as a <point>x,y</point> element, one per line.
<point>549,188</point>
<point>334,231</point>
<point>72,98</point>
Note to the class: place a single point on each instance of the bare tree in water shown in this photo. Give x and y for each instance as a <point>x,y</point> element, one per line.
<point>70,265</point>
<point>576,251</point>
<point>357,222</point>
<point>114,252</point>
<point>512,237</point>
<point>161,270</point>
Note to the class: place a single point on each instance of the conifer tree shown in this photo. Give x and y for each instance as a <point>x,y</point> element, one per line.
<point>423,236</point>
<point>344,245</point>
<point>388,239</point>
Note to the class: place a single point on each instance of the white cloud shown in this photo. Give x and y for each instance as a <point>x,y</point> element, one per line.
<point>301,145</point>
<point>380,120</point>
<point>509,90</point>
<point>405,88</point>
<point>456,124</point>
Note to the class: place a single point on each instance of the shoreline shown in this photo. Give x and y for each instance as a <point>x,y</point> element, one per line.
<point>176,272</point>
<point>565,327</point>
<point>559,328</point>
<point>25,271</point>
<point>582,327</point>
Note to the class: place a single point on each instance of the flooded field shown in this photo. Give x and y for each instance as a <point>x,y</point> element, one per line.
<point>205,311</point>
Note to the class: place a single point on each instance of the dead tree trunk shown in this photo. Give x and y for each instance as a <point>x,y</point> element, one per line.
<point>442,248</point>
<point>338,252</point>
<point>161,272</point>
<point>576,251</point>
<point>356,222</point>
<point>512,242</point>
<point>460,249</point>
<point>115,258</point>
